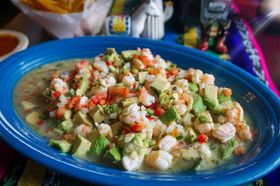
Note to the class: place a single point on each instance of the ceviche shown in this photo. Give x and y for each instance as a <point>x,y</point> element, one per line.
<point>135,111</point>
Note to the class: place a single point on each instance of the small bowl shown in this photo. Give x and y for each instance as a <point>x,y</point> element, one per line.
<point>22,42</point>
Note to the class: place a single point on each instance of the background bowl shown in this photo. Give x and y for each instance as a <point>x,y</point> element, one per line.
<point>260,104</point>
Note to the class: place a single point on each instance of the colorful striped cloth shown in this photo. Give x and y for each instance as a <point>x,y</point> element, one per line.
<point>18,170</point>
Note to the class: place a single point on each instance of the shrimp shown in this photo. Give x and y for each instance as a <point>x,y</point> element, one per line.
<point>204,127</point>
<point>128,80</point>
<point>167,143</point>
<point>60,85</point>
<point>100,65</point>
<point>208,79</point>
<point>105,130</point>
<point>82,129</point>
<point>134,114</point>
<point>236,113</point>
<point>224,132</point>
<point>158,128</point>
<point>243,131</point>
<point>183,84</point>
<point>181,108</point>
<point>131,164</point>
<point>160,160</point>
<point>145,98</point>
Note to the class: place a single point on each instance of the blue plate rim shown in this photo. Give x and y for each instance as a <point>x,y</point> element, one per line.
<point>235,179</point>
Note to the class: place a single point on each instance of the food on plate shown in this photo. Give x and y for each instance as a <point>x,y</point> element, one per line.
<point>136,111</point>
<point>60,6</point>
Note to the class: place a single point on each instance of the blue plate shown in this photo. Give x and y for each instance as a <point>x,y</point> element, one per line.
<point>261,105</point>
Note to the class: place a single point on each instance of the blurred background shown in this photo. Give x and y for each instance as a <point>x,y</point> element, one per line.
<point>262,15</point>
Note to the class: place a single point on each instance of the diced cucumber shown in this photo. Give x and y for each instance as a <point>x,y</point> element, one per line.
<point>80,146</point>
<point>129,101</point>
<point>160,84</point>
<point>99,146</point>
<point>193,87</point>
<point>170,115</point>
<point>62,145</point>
<point>142,76</point>
<point>114,154</point>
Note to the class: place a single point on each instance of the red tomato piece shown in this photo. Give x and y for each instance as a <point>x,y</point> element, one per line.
<point>202,138</point>
<point>159,111</point>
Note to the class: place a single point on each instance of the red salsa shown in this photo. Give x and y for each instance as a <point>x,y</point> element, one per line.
<point>8,43</point>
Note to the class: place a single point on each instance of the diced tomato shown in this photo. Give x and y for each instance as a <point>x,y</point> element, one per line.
<point>150,118</point>
<point>137,127</point>
<point>117,91</point>
<point>108,63</point>
<point>59,112</point>
<point>173,72</point>
<point>73,102</point>
<point>239,150</point>
<point>159,111</point>
<point>55,94</point>
<point>146,61</point>
<point>127,130</point>
<point>202,138</point>
<point>94,100</point>
<point>39,122</point>
<point>153,106</point>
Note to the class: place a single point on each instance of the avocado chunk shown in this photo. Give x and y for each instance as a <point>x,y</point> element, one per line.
<point>66,125</point>
<point>99,146</point>
<point>170,115</point>
<point>92,136</point>
<point>226,149</point>
<point>110,109</point>
<point>27,105</point>
<point>190,135</point>
<point>211,97</point>
<point>97,114</point>
<point>62,145</point>
<point>83,87</point>
<point>142,76</point>
<point>198,105</point>
<point>186,159</point>
<point>129,101</point>
<point>81,118</point>
<point>160,84</point>
<point>127,54</point>
<point>80,146</point>
<point>33,117</point>
<point>114,154</point>
<point>167,100</point>
<point>193,87</point>
<point>204,118</point>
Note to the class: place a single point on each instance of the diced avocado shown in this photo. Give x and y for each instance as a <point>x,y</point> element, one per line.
<point>27,105</point>
<point>193,87</point>
<point>117,128</point>
<point>92,136</point>
<point>129,101</point>
<point>33,117</point>
<point>110,109</point>
<point>222,98</point>
<point>97,114</point>
<point>114,154</point>
<point>198,105</point>
<point>167,100</point>
<point>80,146</point>
<point>83,87</point>
<point>57,131</point>
<point>190,135</point>
<point>67,114</point>
<point>211,97</point>
<point>99,146</point>
<point>81,117</point>
<point>160,84</point>
<point>127,54</point>
<point>227,149</point>
<point>142,76</point>
<point>203,118</point>
<point>66,125</point>
<point>62,145</point>
<point>170,115</point>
